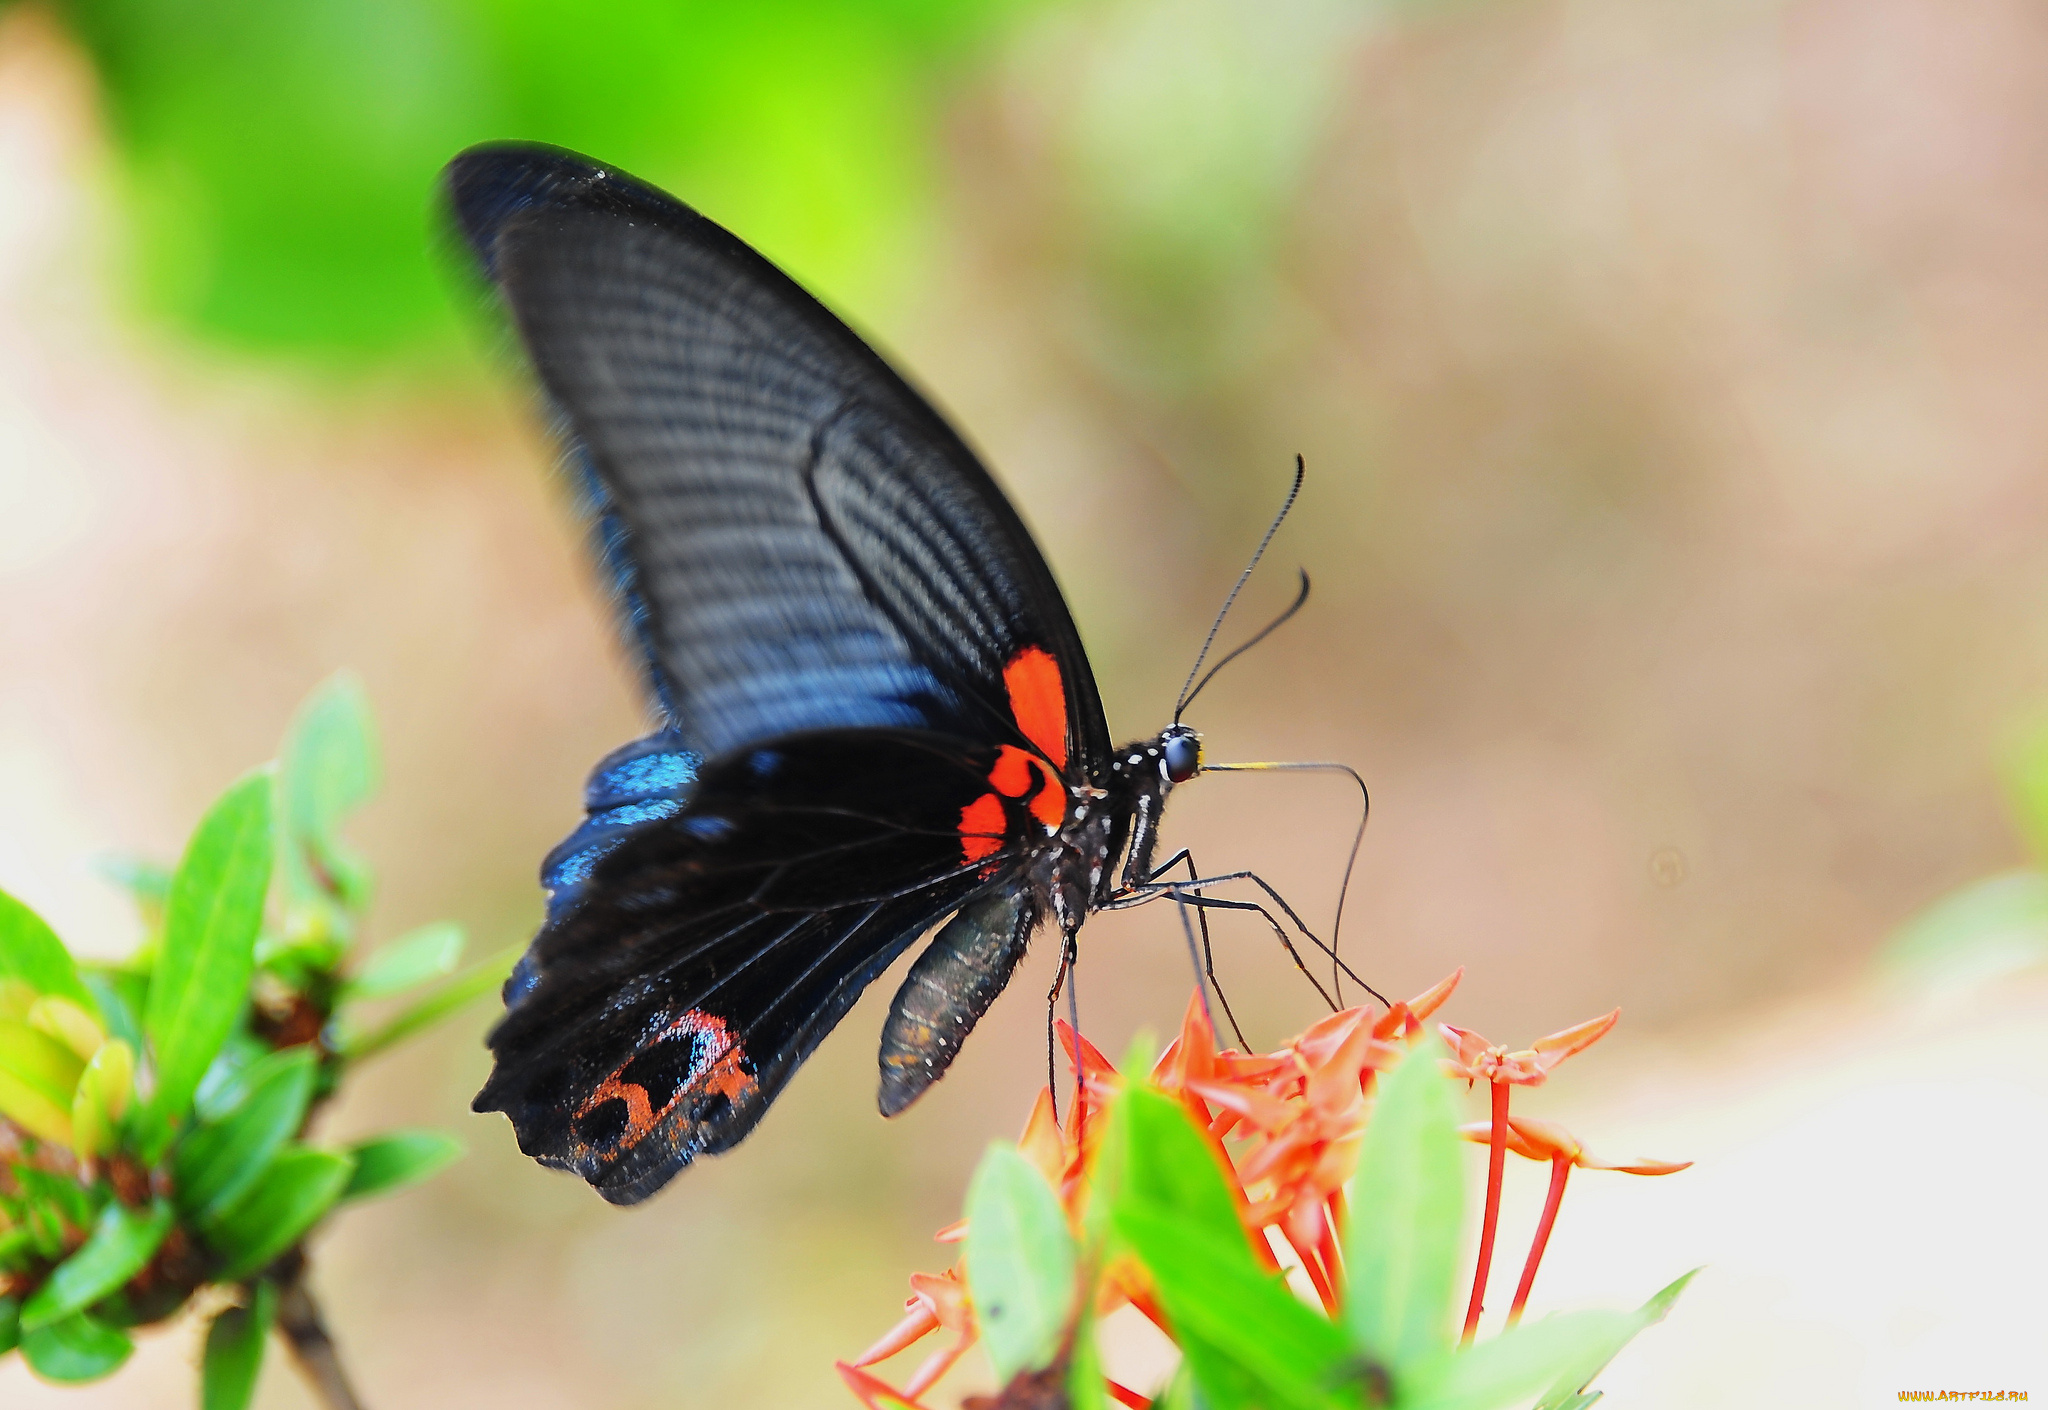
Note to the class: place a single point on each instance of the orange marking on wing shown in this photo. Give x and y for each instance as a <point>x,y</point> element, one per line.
<point>639,1118</point>
<point>981,827</point>
<point>1038,701</point>
<point>719,1070</point>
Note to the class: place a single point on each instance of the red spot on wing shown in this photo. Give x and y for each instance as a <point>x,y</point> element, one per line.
<point>1016,774</point>
<point>1049,806</point>
<point>1038,701</point>
<point>981,827</point>
<point>985,823</point>
<point>1013,774</point>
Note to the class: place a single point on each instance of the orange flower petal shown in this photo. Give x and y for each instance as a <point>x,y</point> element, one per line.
<point>1432,998</point>
<point>1547,1137</point>
<point>1641,1167</point>
<point>1192,1055</point>
<point>1334,1085</point>
<point>873,1392</point>
<point>1468,1047</point>
<point>935,1366</point>
<point>1481,1133</point>
<point>1041,1142</point>
<point>1558,1046</point>
<point>1266,1112</point>
<point>946,1296</point>
<point>1084,1056</point>
<point>1326,1035</point>
<point>918,1323</point>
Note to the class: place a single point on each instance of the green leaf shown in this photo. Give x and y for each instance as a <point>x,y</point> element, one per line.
<point>486,976</point>
<point>1248,1339</point>
<point>61,1196</point>
<point>201,982</point>
<point>234,1351</point>
<point>397,1159</point>
<point>1085,1390</point>
<point>71,1024</point>
<point>301,1185</point>
<point>214,1165</point>
<point>122,1242</point>
<point>2026,785</point>
<point>427,953</point>
<point>122,994</point>
<point>1020,1262</point>
<point>10,1323</point>
<point>1402,1248</point>
<point>1520,1362</point>
<point>1164,1166</point>
<point>79,1348</point>
<point>38,1076</point>
<point>1568,1392</point>
<point>1180,1393</point>
<point>147,883</point>
<point>226,1082</point>
<point>1974,935</point>
<point>104,1091</point>
<point>326,769</point>
<point>31,952</point>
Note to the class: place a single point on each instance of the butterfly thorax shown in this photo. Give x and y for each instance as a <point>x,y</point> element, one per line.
<point>1121,819</point>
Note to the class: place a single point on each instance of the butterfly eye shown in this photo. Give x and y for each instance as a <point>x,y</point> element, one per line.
<point>1183,756</point>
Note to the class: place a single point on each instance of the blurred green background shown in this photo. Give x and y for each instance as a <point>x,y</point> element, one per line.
<point>1669,380</point>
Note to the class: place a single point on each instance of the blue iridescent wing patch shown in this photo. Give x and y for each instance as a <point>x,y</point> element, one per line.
<point>638,783</point>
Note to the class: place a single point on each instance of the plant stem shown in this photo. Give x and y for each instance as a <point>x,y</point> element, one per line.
<point>298,1320</point>
<point>1560,1171</point>
<point>1312,1265</point>
<point>1496,1166</point>
<point>1331,1248</point>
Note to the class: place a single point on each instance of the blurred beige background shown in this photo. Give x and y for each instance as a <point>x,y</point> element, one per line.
<point>1670,379</point>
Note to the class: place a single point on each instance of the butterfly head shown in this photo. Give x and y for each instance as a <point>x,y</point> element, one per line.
<point>1173,757</point>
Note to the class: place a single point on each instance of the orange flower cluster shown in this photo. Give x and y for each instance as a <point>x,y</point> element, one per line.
<point>1295,1119</point>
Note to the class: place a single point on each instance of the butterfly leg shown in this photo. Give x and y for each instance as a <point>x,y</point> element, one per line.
<point>1062,980</point>
<point>1281,901</point>
<point>1204,962</point>
<point>1191,891</point>
<point>1204,903</point>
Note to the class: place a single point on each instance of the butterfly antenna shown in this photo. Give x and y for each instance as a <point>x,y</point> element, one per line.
<point>1273,626</point>
<point>1189,690</point>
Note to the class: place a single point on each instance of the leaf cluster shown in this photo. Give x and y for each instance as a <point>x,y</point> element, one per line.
<point>300,234</point>
<point>154,1113</point>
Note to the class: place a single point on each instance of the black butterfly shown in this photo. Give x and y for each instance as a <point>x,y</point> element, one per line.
<point>878,712</point>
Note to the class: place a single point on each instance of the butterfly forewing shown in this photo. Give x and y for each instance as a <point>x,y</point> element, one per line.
<point>813,545</point>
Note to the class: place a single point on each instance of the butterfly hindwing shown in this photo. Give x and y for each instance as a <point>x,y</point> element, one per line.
<point>711,950</point>
<point>638,783</point>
